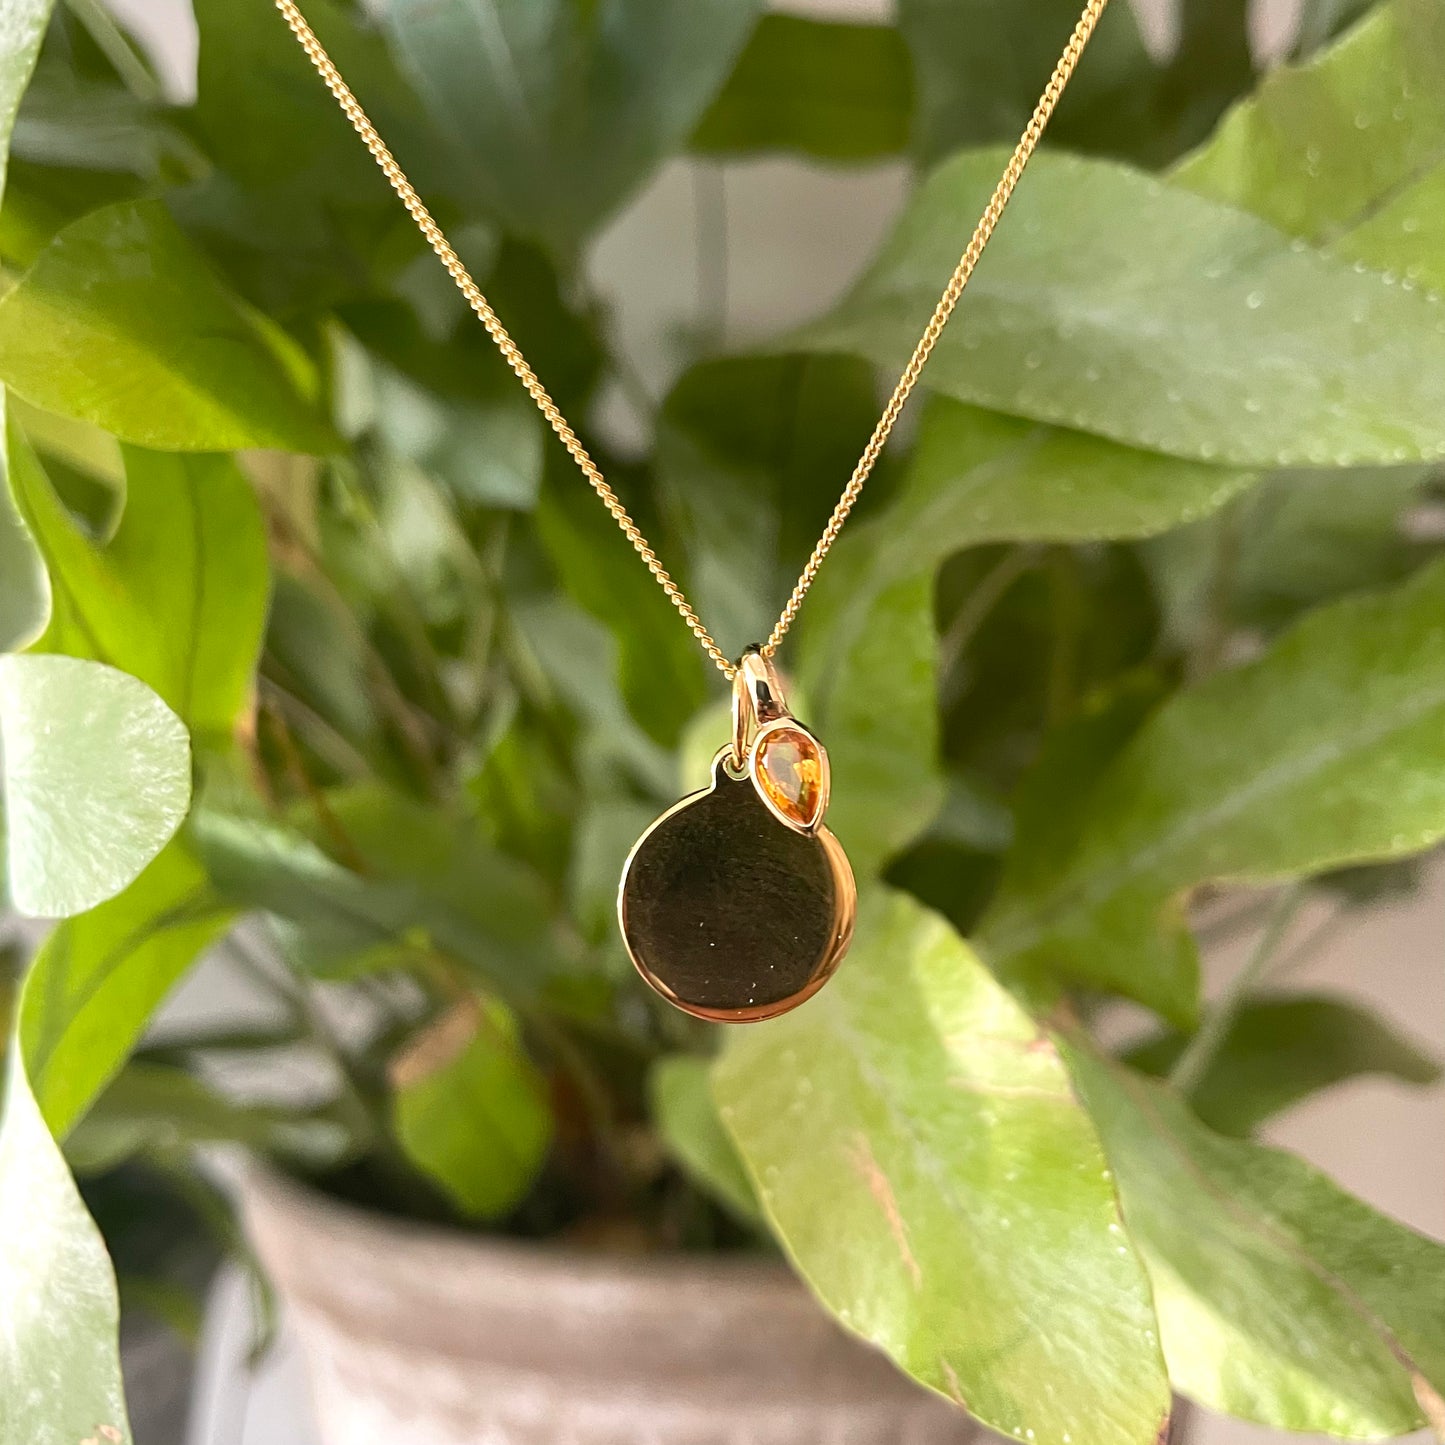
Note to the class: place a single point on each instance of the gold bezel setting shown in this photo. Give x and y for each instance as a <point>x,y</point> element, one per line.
<point>789,724</point>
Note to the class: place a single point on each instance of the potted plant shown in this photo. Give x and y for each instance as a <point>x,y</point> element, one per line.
<point>322,663</point>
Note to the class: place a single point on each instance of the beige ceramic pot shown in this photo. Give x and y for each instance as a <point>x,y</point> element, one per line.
<point>416,1336</point>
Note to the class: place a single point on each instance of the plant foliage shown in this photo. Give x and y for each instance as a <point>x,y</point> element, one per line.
<point>319,656</point>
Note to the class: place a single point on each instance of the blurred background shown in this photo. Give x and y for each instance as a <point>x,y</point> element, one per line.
<point>793,237</point>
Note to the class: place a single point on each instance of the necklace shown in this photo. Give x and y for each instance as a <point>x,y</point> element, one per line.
<point>737,903</point>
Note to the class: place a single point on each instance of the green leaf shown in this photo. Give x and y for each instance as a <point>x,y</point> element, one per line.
<point>455,408</point>
<point>177,597</point>
<point>564,109</point>
<point>825,89</point>
<point>1281,1299</point>
<point>1281,1050</point>
<point>687,1118</point>
<point>918,1150</point>
<point>607,831</point>
<point>24,586</point>
<point>868,629</point>
<point>982,64</point>
<point>59,1355</point>
<point>338,920</point>
<point>1299,539</point>
<point>445,853</point>
<point>296,210</point>
<point>660,670</point>
<point>99,978</point>
<point>23,30</point>
<point>1348,146</point>
<point>751,453</point>
<point>119,322</point>
<point>97,779</point>
<point>1195,330</point>
<point>288,136</point>
<point>1321,783</point>
<point>161,1110</point>
<point>471,1110</point>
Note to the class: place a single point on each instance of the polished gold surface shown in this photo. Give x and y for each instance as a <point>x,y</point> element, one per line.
<point>1033,132</point>
<point>787,764</point>
<point>727,913</point>
<point>757,700</point>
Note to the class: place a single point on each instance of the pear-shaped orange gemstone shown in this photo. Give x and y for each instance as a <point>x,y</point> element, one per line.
<point>790,772</point>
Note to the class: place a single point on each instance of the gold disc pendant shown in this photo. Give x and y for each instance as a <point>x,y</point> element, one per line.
<point>737,904</point>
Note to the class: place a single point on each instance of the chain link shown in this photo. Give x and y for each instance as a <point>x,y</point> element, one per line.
<point>1033,132</point>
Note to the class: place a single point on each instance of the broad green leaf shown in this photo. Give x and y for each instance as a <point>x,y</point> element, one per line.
<point>826,89</point>
<point>337,920</point>
<point>444,852</point>
<point>1351,141</point>
<point>454,408</point>
<point>291,129</point>
<point>1195,330</point>
<point>868,629</point>
<point>606,833</point>
<point>1348,149</point>
<point>1281,1050</point>
<point>119,322</point>
<point>751,455</point>
<point>59,1356</point>
<point>1035,635</point>
<point>1343,719</point>
<point>525,794</point>
<point>296,210</point>
<point>22,28</point>
<point>1054,794</point>
<point>164,1110</point>
<point>662,673</point>
<point>1406,237</point>
<point>95,122</point>
<point>579,658</point>
<point>982,64</point>
<point>97,777</point>
<point>686,1116</point>
<point>887,783</point>
<point>1281,1299</point>
<point>564,109</point>
<point>1321,21</point>
<point>471,1110</point>
<point>919,1152</point>
<point>1299,539</point>
<point>24,585</point>
<point>99,978</point>
<point>177,597</point>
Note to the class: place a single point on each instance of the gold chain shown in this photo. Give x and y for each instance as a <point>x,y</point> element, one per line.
<point>1033,132</point>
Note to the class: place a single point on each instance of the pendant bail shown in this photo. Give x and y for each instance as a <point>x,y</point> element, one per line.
<point>757,701</point>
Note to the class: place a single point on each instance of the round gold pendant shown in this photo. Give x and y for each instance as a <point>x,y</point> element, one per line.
<point>737,904</point>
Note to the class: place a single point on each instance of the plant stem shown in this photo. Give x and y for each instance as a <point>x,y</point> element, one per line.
<point>118,49</point>
<point>1327,929</point>
<point>1193,1064</point>
<point>1208,653</point>
<point>295,998</point>
<point>988,592</point>
<point>303,782</point>
<point>328,742</point>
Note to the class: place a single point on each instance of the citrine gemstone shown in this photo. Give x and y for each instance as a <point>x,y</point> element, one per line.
<point>790,772</point>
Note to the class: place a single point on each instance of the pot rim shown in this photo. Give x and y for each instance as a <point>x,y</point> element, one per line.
<point>280,1193</point>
